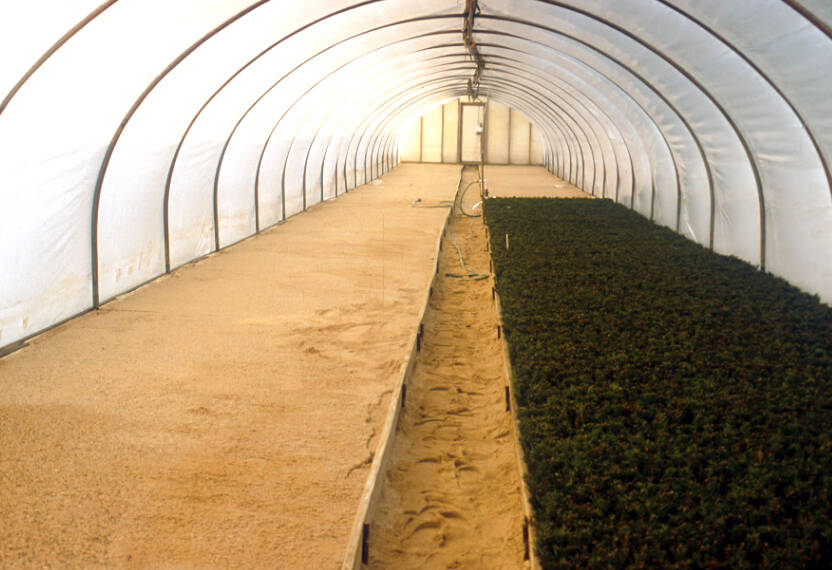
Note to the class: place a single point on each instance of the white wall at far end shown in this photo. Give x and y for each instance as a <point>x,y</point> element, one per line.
<point>510,136</point>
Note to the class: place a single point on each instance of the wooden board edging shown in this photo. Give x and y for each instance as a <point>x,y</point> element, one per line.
<point>515,430</point>
<point>381,460</point>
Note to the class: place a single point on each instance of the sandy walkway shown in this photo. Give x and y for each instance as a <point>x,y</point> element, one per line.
<point>223,416</point>
<point>452,498</point>
<point>528,182</point>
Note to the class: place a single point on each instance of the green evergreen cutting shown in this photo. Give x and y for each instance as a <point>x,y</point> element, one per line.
<point>675,404</point>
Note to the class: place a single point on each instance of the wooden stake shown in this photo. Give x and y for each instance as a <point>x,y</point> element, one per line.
<point>365,544</point>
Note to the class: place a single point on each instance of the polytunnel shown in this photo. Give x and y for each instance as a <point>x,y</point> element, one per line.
<point>125,158</point>
<point>139,136</point>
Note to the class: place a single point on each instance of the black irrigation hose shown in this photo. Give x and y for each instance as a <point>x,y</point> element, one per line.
<point>441,204</point>
<point>472,276</point>
<point>462,197</point>
<point>470,273</point>
<point>456,205</point>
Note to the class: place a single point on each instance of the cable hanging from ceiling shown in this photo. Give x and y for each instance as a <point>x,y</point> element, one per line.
<point>472,9</point>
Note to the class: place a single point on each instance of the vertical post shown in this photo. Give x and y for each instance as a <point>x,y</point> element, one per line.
<point>421,136</point>
<point>303,189</point>
<point>365,544</point>
<point>459,131</point>
<point>508,155</point>
<point>442,137</point>
<point>484,136</point>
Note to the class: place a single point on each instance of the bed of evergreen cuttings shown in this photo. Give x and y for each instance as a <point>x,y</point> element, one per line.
<point>675,405</point>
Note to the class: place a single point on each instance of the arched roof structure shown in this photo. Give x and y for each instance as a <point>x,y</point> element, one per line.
<point>137,135</point>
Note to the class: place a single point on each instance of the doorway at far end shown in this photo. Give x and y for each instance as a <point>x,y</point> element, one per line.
<point>472,132</point>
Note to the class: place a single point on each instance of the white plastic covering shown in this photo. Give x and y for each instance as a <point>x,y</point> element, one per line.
<point>137,135</point>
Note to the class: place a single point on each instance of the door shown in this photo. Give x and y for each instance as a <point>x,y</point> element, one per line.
<point>471,132</point>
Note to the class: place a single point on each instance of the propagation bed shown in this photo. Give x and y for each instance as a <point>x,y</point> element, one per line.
<point>225,414</point>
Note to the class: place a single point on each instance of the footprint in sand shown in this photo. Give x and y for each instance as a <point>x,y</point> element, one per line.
<point>453,453</point>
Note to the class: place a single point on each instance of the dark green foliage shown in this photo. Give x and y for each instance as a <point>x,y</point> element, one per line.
<point>675,405</point>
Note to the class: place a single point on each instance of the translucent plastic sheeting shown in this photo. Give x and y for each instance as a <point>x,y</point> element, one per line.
<point>411,143</point>
<point>519,139</point>
<point>586,129</point>
<point>613,89</point>
<point>737,225</point>
<point>318,91</point>
<point>400,129</point>
<point>550,68</point>
<point>41,33</point>
<point>796,59</point>
<point>433,87</point>
<point>130,227</point>
<point>567,76</point>
<point>381,72</point>
<point>432,136</point>
<point>536,113</point>
<point>577,124</point>
<point>537,146</point>
<point>498,128</point>
<point>819,9</point>
<point>136,135</point>
<point>274,85</point>
<point>760,118</point>
<point>356,164</point>
<point>52,139</point>
<point>451,132</point>
<point>778,142</point>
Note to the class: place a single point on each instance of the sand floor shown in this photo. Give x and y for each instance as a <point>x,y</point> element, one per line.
<point>225,415</point>
<point>528,182</point>
<point>451,498</point>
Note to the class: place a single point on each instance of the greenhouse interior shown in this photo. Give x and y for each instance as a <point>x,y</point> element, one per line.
<point>416,284</point>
